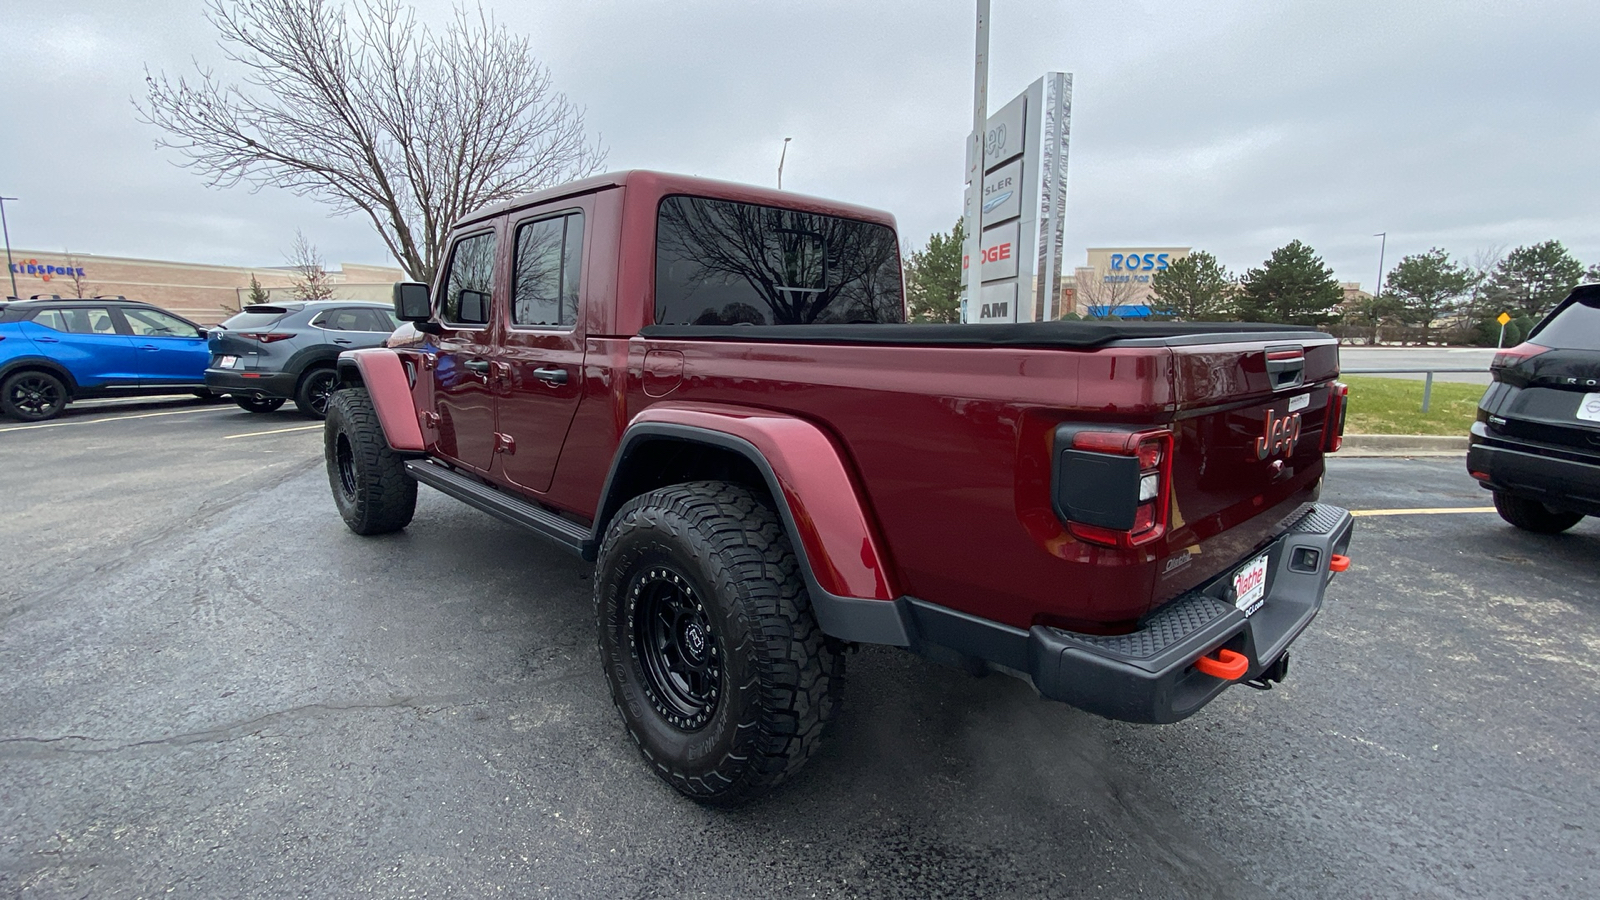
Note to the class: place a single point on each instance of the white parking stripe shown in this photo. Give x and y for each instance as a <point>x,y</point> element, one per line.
<point>274,431</point>
<point>170,412</point>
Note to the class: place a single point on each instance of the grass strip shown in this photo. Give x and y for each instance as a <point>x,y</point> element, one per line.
<point>1394,406</point>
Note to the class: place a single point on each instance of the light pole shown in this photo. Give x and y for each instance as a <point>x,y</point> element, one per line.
<point>781,157</point>
<point>1381,247</point>
<point>7,229</point>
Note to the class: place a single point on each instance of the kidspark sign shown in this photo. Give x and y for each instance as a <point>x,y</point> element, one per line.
<point>43,272</point>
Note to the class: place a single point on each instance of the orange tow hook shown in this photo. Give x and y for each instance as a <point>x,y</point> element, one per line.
<point>1337,563</point>
<point>1228,665</point>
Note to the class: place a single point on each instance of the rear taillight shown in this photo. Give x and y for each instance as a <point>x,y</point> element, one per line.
<point>1113,487</point>
<point>1333,421</point>
<point>1513,355</point>
<point>265,337</point>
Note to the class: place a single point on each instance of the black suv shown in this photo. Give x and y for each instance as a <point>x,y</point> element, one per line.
<point>270,353</point>
<point>1536,443</point>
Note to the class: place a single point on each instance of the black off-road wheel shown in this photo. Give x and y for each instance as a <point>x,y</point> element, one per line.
<point>1531,515</point>
<point>33,396</point>
<point>316,388</point>
<point>258,404</point>
<point>370,485</point>
<point>713,654</point>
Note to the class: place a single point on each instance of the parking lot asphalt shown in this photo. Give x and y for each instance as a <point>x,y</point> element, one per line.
<point>212,689</point>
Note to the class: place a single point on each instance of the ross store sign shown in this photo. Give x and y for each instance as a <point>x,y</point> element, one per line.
<point>1134,262</point>
<point>45,273</point>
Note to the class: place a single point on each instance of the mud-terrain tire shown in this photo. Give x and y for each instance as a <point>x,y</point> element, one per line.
<point>702,575</point>
<point>258,404</point>
<point>315,390</point>
<point>1531,515</point>
<point>33,396</point>
<point>370,485</point>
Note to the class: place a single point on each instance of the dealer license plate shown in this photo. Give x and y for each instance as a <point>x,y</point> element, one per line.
<point>228,362</point>
<point>1589,408</point>
<point>1250,585</point>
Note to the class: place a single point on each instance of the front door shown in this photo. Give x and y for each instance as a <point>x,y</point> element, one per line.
<point>540,369</point>
<point>462,397</point>
<point>167,349</point>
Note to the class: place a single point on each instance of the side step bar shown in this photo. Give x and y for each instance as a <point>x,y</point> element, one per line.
<point>503,506</point>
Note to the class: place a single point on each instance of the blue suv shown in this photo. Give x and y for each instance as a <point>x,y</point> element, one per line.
<point>56,351</point>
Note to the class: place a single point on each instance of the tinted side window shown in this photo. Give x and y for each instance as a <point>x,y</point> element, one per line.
<point>374,320</point>
<point>548,268</point>
<point>470,284</point>
<point>1575,328</point>
<point>149,323</point>
<point>725,263</point>
<point>340,320</point>
<point>92,320</point>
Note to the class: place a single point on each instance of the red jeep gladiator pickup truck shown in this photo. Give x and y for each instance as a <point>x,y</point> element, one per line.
<point>710,391</point>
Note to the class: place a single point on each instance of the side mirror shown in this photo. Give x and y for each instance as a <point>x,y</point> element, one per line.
<point>411,302</point>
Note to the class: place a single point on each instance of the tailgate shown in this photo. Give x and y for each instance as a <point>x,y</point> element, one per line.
<point>1249,431</point>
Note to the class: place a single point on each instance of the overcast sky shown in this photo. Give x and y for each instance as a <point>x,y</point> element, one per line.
<point>1227,125</point>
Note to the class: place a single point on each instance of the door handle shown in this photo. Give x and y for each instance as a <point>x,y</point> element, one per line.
<point>343,341</point>
<point>148,347</point>
<point>47,340</point>
<point>554,375</point>
<point>481,366</point>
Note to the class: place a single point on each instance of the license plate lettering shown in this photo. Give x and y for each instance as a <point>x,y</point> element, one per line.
<point>1250,586</point>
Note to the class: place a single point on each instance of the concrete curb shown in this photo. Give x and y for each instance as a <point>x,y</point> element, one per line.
<point>1403,445</point>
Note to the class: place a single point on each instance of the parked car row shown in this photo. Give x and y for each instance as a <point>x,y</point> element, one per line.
<point>53,352</point>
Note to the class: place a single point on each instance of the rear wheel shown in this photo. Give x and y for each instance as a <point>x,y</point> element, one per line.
<point>714,657</point>
<point>33,396</point>
<point>316,387</point>
<point>370,485</point>
<point>1531,515</point>
<point>258,404</point>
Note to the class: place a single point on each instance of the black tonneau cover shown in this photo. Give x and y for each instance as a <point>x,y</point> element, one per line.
<point>1021,334</point>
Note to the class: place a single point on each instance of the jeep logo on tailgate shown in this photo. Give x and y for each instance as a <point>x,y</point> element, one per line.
<point>1278,434</point>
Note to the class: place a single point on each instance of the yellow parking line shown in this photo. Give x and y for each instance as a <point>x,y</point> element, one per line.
<point>273,431</point>
<point>1436,511</point>
<point>173,412</point>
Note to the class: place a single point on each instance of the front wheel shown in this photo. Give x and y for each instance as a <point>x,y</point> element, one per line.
<point>714,657</point>
<point>33,396</point>
<point>258,404</point>
<point>1531,515</point>
<point>370,485</point>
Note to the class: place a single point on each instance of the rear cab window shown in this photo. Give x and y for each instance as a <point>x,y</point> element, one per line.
<point>724,263</point>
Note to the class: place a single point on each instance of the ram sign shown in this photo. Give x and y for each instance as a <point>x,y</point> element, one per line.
<point>1023,207</point>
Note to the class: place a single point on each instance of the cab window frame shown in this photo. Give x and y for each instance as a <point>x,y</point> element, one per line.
<point>515,230</point>
<point>490,231</point>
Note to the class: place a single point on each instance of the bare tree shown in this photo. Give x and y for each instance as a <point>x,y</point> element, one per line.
<point>80,285</point>
<point>311,281</point>
<point>374,113</point>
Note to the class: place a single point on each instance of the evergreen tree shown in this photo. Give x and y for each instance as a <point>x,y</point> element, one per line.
<point>1531,280</point>
<point>1427,287</point>
<point>258,294</point>
<point>1294,287</point>
<point>933,278</point>
<point>1196,288</point>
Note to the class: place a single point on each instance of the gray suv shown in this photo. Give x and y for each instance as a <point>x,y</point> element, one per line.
<point>271,353</point>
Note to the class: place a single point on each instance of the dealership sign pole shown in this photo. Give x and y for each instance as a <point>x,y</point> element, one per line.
<point>10,266</point>
<point>980,118</point>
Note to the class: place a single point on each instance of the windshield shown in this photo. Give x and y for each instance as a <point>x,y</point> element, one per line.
<point>725,263</point>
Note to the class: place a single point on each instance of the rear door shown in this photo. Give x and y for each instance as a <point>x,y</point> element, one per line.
<point>355,327</point>
<point>539,371</point>
<point>167,349</point>
<point>85,340</point>
<point>462,397</point>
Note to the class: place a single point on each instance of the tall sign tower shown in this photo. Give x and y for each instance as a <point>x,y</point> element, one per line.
<point>1022,209</point>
